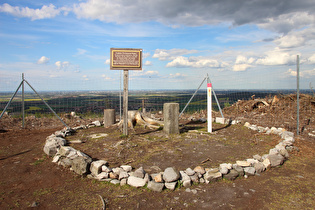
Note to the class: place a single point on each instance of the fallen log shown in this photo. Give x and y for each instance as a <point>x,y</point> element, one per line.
<point>135,117</point>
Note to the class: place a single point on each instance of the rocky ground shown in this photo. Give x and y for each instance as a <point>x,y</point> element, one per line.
<point>30,179</point>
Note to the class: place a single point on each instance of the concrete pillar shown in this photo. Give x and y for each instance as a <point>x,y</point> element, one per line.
<point>109,117</point>
<point>171,115</point>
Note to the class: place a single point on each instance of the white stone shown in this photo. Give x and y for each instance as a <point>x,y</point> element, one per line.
<point>212,175</point>
<point>102,175</point>
<point>249,171</point>
<point>252,161</point>
<point>189,172</point>
<point>97,123</point>
<point>225,167</point>
<point>126,168</point>
<point>267,163</point>
<point>187,183</point>
<point>184,176</point>
<point>242,163</point>
<point>135,181</point>
<point>222,120</point>
<point>273,151</point>
<point>115,181</point>
<point>247,124</point>
<point>106,169</point>
<point>170,185</point>
<point>199,169</point>
<point>96,166</point>
<point>170,174</point>
<point>123,175</point>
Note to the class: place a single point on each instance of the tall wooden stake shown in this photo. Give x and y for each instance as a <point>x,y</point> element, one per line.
<point>125,103</point>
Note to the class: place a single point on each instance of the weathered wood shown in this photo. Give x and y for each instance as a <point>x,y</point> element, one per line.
<point>125,103</point>
<point>135,117</point>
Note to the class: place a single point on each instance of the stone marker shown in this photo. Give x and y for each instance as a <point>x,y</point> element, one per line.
<point>171,114</point>
<point>109,117</point>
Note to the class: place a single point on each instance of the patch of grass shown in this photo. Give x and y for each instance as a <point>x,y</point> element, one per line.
<point>39,161</point>
<point>41,192</point>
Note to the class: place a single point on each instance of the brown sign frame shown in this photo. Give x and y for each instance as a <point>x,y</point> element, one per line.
<point>119,59</point>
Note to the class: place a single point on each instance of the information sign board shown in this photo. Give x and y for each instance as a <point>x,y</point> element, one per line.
<point>125,59</point>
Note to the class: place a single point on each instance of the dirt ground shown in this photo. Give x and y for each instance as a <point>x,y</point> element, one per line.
<point>29,178</point>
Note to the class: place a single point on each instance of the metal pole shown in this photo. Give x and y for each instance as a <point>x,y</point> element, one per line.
<point>120,97</point>
<point>297,94</point>
<point>47,104</point>
<point>8,104</point>
<point>216,99</point>
<point>125,105</point>
<point>23,105</point>
<point>192,96</point>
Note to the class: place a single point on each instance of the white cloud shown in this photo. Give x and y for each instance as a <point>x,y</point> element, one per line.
<point>107,61</point>
<point>287,22</point>
<point>290,41</point>
<point>171,54</point>
<point>49,11</point>
<point>177,75</point>
<point>62,65</point>
<point>241,67</point>
<point>146,55</point>
<point>80,52</point>
<point>305,74</point>
<point>98,9</point>
<point>144,73</point>
<point>85,77</point>
<point>240,59</point>
<point>195,62</point>
<point>105,77</point>
<point>148,63</point>
<point>277,57</point>
<point>43,60</point>
<point>311,59</point>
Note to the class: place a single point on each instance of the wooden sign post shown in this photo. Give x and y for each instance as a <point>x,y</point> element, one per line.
<point>125,59</point>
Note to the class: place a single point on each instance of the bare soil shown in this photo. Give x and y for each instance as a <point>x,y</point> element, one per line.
<point>29,178</point>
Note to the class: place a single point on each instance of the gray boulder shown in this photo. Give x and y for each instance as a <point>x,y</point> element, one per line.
<point>212,175</point>
<point>249,171</point>
<point>155,186</point>
<point>233,174</point>
<point>139,173</point>
<point>276,159</point>
<point>170,185</point>
<point>96,166</point>
<point>52,144</point>
<point>170,174</point>
<point>80,165</point>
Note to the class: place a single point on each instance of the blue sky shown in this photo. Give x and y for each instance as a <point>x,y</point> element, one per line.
<point>65,45</point>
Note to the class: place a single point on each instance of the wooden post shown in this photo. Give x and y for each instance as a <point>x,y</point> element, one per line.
<point>125,103</point>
